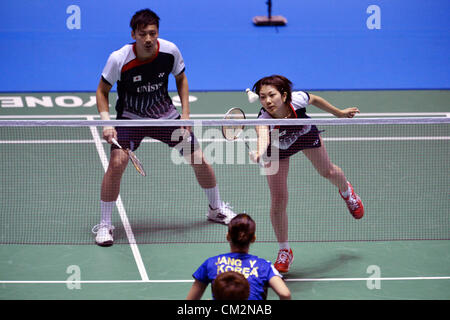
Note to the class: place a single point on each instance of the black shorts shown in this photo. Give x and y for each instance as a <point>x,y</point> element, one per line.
<point>307,141</point>
<point>131,138</point>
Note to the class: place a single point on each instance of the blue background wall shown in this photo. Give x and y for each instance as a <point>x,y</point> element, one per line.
<point>326,44</point>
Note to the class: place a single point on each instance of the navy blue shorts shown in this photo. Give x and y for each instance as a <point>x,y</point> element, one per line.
<point>131,138</point>
<point>307,141</point>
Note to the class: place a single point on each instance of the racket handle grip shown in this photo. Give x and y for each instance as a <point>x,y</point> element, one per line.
<point>262,163</point>
<point>116,143</point>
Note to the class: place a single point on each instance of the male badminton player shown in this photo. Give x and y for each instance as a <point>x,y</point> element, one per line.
<point>279,102</point>
<point>141,70</point>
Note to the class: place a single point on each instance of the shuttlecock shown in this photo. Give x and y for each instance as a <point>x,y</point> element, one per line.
<point>252,97</point>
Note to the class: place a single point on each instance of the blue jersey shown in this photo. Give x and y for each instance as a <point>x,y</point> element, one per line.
<point>257,271</point>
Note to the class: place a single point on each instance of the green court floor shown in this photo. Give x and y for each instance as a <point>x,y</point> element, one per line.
<point>407,270</point>
<point>399,250</point>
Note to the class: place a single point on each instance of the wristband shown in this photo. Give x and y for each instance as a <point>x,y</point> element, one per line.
<point>104,115</point>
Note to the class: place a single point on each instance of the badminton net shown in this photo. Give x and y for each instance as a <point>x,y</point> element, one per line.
<point>52,171</point>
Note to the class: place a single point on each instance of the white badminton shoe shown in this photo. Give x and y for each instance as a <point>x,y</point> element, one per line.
<point>104,235</point>
<point>223,214</point>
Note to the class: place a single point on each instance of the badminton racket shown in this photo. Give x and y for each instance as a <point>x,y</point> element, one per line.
<point>233,132</point>
<point>136,162</point>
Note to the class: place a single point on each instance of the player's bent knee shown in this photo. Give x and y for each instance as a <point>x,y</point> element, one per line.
<point>196,158</point>
<point>117,164</point>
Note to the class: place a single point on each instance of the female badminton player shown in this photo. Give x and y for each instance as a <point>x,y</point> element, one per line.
<point>279,102</point>
<point>260,273</point>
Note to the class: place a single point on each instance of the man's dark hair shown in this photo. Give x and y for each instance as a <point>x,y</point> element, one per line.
<point>144,18</point>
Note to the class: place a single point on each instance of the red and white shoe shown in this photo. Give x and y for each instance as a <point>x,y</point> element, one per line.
<point>354,203</point>
<point>284,260</point>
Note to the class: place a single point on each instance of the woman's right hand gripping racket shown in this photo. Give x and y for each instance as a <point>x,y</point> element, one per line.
<point>136,163</point>
<point>233,132</point>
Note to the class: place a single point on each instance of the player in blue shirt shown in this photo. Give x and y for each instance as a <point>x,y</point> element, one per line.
<point>260,273</point>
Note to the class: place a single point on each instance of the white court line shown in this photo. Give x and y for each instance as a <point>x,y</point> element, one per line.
<point>336,139</point>
<point>91,281</point>
<point>319,115</point>
<point>387,138</point>
<point>186,281</point>
<point>45,141</point>
<point>120,207</point>
<point>250,115</point>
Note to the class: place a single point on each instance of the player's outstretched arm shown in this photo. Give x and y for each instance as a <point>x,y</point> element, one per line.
<point>324,105</point>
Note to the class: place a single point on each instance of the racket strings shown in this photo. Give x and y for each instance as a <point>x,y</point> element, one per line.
<point>136,163</point>
<point>232,132</point>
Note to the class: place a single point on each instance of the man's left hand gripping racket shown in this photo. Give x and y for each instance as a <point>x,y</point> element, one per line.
<point>136,163</point>
<point>232,132</point>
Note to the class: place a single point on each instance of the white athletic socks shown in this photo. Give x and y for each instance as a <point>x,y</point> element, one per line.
<point>213,197</point>
<point>106,210</point>
<point>284,245</point>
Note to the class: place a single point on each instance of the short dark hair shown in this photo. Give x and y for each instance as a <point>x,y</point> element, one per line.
<point>143,18</point>
<point>230,285</point>
<point>282,84</point>
<point>241,230</point>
